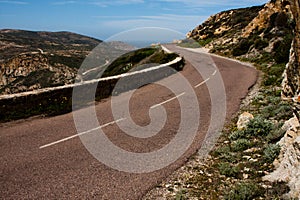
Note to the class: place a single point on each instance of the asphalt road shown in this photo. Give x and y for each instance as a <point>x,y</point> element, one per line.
<point>44,158</point>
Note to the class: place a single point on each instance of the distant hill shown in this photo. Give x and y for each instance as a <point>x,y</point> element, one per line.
<point>31,60</point>
<point>14,42</point>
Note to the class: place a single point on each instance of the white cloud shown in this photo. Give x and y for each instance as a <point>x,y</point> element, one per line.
<point>102,3</point>
<point>182,23</point>
<point>106,3</point>
<point>64,2</point>
<point>206,3</point>
<point>15,2</point>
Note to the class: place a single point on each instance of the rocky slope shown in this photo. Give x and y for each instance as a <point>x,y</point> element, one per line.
<point>224,29</point>
<point>288,164</point>
<point>257,33</point>
<point>271,39</point>
<point>32,60</point>
<point>291,83</point>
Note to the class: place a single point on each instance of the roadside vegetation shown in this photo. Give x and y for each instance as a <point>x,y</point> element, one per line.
<point>241,157</point>
<point>133,60</point>
<point>234,169</point>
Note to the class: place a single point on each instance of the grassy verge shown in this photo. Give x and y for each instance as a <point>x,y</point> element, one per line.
<point>234,169</point>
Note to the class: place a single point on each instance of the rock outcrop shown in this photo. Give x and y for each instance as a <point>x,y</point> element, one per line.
<point>30,71</point>
<point>291,82</point>
<point>288,165</point>
<point>33,60</point>
<point>264,16</point>
<point>219,32</point>
<point>243,120</point>
<point>256,33</point>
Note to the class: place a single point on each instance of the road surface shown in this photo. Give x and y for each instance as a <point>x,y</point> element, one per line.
<point>43,158</point>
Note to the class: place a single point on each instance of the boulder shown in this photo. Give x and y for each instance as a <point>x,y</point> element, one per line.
<point>291,124</point>
<point>244,120</point>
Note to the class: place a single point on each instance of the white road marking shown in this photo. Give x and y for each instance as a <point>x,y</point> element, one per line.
<point>157,105</point>
<point>202,83</point>
<point>79,134</point>
<point>166,49</point>
<point>96,68</point>
<point>214,72</point>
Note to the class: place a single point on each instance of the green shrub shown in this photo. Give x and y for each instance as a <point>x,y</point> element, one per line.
<point>261,43</point>
<point>280,111</point>
<point>282,49</point>
<point>242,47</point>
<point>245,191</point>
<point>238,135</point>
<point>271,152</point>
<point>276,134</point>
<point>241,144</point>
<point>227,170</point>
<point>222,150</point>
<point>205,41</point>
<point>258,127</point>
<point>272,99</point>
<point>129,59</point>
<point>189,43</point>
<point>273,75</point>
<point>282,20</point>
<point>224,153</point>
<point>284,111</point>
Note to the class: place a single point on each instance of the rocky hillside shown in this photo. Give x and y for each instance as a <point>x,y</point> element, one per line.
<point>291,83</point>
<point>257,33</point>
<point>269,37</point>
<point>32,60</point>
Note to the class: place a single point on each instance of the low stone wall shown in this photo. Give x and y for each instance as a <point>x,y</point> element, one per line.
<point>58,100</point>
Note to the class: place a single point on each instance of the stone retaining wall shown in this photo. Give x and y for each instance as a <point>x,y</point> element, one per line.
<point>58,100</point>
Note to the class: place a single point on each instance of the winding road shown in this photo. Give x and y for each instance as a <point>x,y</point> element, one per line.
<point>46,158</point>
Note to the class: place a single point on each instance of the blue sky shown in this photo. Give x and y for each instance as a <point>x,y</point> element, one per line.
<point>104,18</point>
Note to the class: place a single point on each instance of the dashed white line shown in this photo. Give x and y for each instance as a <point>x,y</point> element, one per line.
<point>202,83</point>
<point>214,72</point>
<point>113,122</point>
<point>157,105</point>
<point>79,134</point>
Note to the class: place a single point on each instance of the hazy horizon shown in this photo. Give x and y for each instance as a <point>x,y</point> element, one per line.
<point>103,19</point>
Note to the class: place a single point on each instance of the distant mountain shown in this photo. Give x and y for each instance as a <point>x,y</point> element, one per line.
<point>31,60</point>
<point>14,42</point>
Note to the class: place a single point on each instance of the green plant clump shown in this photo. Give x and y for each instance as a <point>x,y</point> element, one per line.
<point>273,75</point>
<point>241,144</point>
<point>204,42</point>
<point>271,152</point>
<point>227,170</point>
<point>245,191</point>
<point>242,47</point>
<point>259,127</point>
<point>282,49</point>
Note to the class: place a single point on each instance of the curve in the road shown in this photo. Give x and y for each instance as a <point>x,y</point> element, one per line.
<point>45,159</point>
